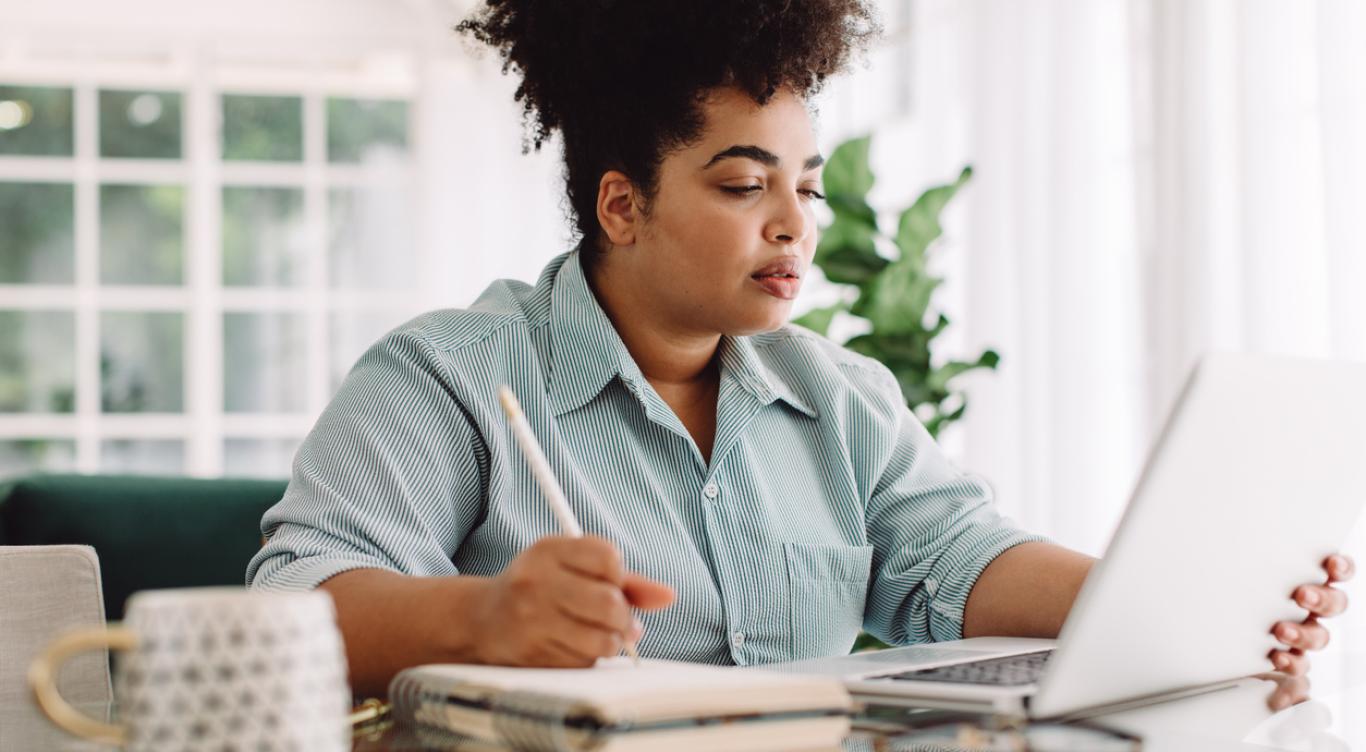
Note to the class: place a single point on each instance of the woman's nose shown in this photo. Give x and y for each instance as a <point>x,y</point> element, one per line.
<point>791,225</point>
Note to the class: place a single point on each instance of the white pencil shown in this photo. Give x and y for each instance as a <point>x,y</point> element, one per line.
<point>545,477</point>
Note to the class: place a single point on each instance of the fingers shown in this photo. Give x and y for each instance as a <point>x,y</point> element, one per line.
<point>1289,690</point>
<point>1307,635</point>
<point>594,602</point>
<point>566,602</point>
<point>554,653</point>
<point>1321,600</point>
<point>1294,664</point>
<point>646,594</point>
<point>1340,567</point>
<point>586,643</point>
<point>589,555</point>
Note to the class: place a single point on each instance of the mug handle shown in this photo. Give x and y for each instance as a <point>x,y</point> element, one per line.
<point>42,677</point>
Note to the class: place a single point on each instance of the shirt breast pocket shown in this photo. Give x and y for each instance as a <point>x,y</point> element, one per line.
<point>828,586</point>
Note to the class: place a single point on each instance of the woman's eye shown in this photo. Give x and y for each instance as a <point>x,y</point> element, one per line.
<point>745,190</point>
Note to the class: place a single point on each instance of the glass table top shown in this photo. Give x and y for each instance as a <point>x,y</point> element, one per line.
<point>1231,719</point>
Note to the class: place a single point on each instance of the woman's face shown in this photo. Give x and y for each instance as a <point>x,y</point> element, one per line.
<point>731,230</point>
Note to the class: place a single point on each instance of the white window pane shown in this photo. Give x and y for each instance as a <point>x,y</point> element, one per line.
<point>264,366</point>
<point>263,128</point>
<point>142,456</point>
<point>21,456</point>
<point>359,130</point>
<point>352,333</point>
<point>35,121</point>
<point>37,242</point>
<point>142,234</point>
<point>142,362</point>
<point>37,362</point>
<point>258,458</point>
<point>140,124</point>
<point>264,240</point>
<point>370,238</point>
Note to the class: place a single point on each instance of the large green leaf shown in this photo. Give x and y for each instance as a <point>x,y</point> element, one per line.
<point>919,225</point>
<point>941,376</point>
<point>916,391</point>
<point>851,207</point>
<point>893,296</point>
<point>901,296</point>
<point>900,353</point>
<point>847,253</point>
<point>847,171</point>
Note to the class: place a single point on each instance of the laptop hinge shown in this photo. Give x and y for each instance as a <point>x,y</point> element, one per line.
<point>1146,700</point>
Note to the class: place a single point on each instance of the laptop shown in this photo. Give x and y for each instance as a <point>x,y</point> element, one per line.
<point>1257,476</point>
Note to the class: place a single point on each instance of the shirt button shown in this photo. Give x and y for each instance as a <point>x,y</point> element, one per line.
<point>738,639</point>
<point>711,491</point>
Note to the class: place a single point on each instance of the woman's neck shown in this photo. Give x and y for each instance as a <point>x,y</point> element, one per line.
<point>667,356</point>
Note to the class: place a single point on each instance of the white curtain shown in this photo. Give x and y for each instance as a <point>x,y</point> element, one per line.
<point>1153,179</point>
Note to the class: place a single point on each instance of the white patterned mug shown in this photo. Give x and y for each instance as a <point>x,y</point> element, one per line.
<point>214,668</point>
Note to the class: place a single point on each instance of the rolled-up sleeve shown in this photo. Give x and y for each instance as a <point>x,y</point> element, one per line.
<point>933,530</point>
<point>392,476</point>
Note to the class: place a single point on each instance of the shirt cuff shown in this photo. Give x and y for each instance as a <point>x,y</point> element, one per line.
<point>308,572</point>
<point>949,598</point>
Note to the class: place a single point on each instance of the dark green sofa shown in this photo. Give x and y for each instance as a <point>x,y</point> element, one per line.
<point>148,532</point>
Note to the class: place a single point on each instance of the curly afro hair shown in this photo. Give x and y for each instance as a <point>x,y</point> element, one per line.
<point>623,80</point>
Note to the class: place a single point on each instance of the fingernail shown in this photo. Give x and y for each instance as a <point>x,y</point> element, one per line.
<point>1281,660</point>
<point>637,629</point>
<point>1291,633</point>
<point>1311,598</point>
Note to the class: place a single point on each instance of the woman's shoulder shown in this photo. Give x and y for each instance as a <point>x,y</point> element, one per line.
<point>506,308</point>
<point>795,344</point>
<point>812,363</point>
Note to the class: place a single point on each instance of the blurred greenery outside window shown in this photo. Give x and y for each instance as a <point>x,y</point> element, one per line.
<point>141,240</point>
<point>264,240</point>
<point>268,129</point>
<point>141,362</point>
<point>19,456</point>
<point>142,234</point>
<point>276,344</point>
<point>357,127</point>
<point>140,124</point>
<point>37,362</point>
<point>150,456</point>
<point>36,121</point>
<point>38,243</point>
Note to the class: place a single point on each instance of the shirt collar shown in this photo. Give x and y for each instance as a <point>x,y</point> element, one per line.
<point>586,352</point>
<point>740,359</point>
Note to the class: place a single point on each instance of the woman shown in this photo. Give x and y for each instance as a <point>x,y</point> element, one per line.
<point>756,492</point>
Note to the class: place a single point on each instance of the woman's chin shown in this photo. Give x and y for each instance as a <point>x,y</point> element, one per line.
<point>770,321</point>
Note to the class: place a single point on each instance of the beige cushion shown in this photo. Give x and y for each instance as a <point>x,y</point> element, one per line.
<point>44,591</point>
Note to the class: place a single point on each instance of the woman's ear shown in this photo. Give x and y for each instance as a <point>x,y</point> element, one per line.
<point>618,214</point>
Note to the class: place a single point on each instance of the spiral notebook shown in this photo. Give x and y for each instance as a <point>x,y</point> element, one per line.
<point>617,706</point>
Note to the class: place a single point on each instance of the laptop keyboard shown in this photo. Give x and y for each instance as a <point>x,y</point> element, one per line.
<point>1011,670</point>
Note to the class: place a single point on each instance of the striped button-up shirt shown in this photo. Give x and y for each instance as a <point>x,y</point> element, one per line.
<point>825,506</point>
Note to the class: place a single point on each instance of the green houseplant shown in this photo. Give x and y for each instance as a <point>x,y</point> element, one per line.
<point>892,295</point>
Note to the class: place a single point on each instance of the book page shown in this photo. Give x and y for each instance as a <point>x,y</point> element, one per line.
<point>620,690</point>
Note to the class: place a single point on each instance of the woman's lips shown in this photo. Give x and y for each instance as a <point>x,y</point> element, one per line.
<point>779,287</point>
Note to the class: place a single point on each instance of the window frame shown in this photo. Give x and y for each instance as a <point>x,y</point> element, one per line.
<point>204,426</point>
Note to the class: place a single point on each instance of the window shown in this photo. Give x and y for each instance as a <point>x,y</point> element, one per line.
<point>188,269</point>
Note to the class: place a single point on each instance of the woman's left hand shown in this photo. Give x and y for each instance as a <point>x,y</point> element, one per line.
<point>1321,600</point>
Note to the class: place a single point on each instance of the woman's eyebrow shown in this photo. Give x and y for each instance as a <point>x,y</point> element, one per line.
<point>761,155</point>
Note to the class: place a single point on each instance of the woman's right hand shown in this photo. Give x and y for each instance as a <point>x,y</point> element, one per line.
<point>563,602</point>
